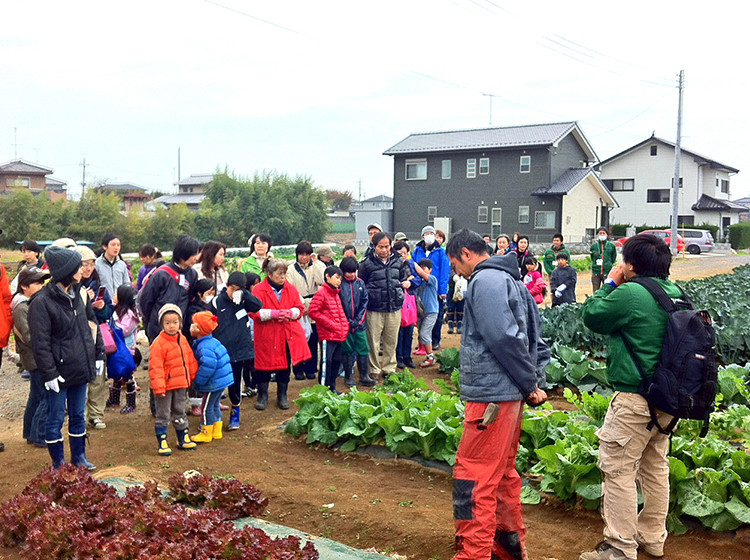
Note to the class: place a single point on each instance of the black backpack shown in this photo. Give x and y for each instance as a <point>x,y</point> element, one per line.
<point>685,380</point>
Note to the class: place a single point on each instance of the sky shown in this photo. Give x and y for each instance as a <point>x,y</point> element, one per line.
<point>323,88</point>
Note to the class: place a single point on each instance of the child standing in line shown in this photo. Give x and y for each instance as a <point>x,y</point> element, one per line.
<point>333,325</point>
<point>148,255</point>
<point>214,374</point>
<point>429,296</point>
<point>127,319</point>
<point>354,300</point>
<point>205,291</point>
<point>251,387</point>
<point>232,306</point>
<point>171,368</point>
<point>533,279</point>
<point>563,281</point>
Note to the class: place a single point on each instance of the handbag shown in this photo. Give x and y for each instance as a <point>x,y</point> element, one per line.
<point>110,346</point>
<point>409,310</point>
<point>120,364</point>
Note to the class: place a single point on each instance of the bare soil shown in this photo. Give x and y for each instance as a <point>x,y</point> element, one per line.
<point>392,505</point>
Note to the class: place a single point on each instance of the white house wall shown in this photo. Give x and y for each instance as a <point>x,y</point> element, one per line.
<point>579,211</point>
<point>654,172</point>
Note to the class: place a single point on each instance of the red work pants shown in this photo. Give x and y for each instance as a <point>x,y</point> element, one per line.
<point>487,488</point>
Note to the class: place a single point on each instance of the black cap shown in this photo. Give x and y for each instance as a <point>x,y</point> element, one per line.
<point>31,275</point>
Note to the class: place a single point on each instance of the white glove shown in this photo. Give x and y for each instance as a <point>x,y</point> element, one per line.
<point>54,385</point>
<point>237,297</point>
<point>99,367</point>
<point>295,313</point>
<point>558,293</point>
<point>561,288</point>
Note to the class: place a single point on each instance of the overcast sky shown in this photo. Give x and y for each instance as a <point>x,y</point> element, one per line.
<point>322,88</point>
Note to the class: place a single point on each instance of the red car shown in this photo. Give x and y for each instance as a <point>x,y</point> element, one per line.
<point>663,234</point>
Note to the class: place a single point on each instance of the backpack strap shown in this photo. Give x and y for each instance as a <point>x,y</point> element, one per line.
<point>657,292</point>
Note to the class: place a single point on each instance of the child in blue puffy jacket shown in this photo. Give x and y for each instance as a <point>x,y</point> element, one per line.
<point>214,374</point>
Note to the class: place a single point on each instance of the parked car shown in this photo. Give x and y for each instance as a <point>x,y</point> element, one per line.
<point>664,234</point>
<point>697,240</point>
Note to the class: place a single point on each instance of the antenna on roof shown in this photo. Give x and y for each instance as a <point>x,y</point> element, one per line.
<point>490,95</point>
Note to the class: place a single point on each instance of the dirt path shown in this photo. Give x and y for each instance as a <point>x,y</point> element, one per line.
<point>393,505</point>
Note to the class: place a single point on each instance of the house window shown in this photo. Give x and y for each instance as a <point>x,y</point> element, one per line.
<point>482,214</point>
<point>446,169</point>
<point>18,182</point>
<point>484,166</point>
<point>653,150</point>
<point>657,195</point>
<point>724,186</point>
<point>431,214</point>
<point>497,220</point>
<point>683,221</point>
<point>523,214</point>
<point>620,184</point>
<point>471,168</point>
<point>416,169</point>
<point>525,164</point>
<point>672,183</point>
<point>544,220</point>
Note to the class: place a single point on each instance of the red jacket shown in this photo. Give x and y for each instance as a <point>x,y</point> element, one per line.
<point>272,336</point>
<point>6,317</point>
<point>328,313</point>
<point>171,363</point>
<point>536,285</point>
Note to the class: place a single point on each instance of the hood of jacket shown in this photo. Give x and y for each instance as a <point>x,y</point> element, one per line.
<point>507,263</point>
<point>18,299</point>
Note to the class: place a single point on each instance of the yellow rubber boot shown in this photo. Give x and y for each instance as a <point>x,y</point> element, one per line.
<point>217,430</point>
<point>161,438</point>
<point>205,436</point>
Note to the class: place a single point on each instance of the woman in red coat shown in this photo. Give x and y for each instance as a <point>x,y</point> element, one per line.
<point>280,340</point>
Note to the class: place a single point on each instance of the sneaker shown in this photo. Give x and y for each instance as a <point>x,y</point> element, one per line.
<point>299,376</point>
<point>429,361</point>
<point>311,375</point>
<point>97,424</point>
<point>399,364</point>
<point>655,550</point>
<point>408,362</point>
<point>25,375</point>
<point>604,551</point>
<point>250,392</point>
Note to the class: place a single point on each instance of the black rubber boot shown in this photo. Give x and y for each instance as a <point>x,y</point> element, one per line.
<point>281,399</point>
<point>262,396</point>
<point>129,402</point>
<point>363,365</point>
<point>114,396</point>
<point>348,363</point>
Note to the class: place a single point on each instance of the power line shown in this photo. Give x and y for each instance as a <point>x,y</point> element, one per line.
<point>256,18</point>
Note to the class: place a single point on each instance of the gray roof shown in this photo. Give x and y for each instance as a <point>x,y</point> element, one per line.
<point>186,198</point>
<point>198,179</point>
<point>54,182</point>
<point>706,202</point>
<point>568,181</point>
<point>379,198</point>
<point>487,138</point>
<point>21,166</point>
<point>120,187</point>
<point>743,201</point>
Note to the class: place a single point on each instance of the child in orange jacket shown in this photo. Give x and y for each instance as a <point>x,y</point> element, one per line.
<point>171,368</point>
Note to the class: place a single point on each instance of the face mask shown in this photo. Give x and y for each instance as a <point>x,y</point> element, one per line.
<point>429,240</point>
<point>602,238</point>
<point>207,299</point>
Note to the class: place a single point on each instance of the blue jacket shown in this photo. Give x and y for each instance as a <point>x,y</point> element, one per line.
<point>235,326</point>
<point>441,266</point>
<point>214,369</point>
<point>354,300</point>
<point>503,357</point>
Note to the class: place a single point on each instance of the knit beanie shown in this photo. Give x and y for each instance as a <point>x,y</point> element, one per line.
<point>427,229</point>
<point>238,279</point>
<point>169,308</point>
<point>61,262</point>
<point>206,321</point>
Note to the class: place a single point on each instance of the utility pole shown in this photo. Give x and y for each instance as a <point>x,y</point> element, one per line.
<point>178,165</point>
<point>83,180</point>
<point>677,158</point>
<point>360,190</point>
<point>15,143</point>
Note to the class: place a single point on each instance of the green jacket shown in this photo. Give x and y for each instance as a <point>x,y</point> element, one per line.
<point>252,264</point>
<point>629,310</point>
<point>550,256</point>
<point>607,252</point>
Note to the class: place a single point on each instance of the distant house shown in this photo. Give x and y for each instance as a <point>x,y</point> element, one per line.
<point>190,191</point>
<point>375,210</point>
<point>22,175</point>
<point>745,215</point>
<point>535,179</point>
<point>642,177</point>
<point>132,196</point>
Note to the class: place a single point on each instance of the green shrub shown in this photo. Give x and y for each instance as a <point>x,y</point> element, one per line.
<point>739,235</point>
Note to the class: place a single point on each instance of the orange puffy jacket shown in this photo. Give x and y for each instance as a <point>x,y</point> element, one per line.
<point>6,317</point>
<point>171,363</point>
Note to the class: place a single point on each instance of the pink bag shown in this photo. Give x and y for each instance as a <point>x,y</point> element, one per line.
<point>110,346</point>
<point>409,310</point>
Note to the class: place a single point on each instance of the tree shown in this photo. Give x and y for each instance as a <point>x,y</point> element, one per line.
<point>16,217</point>
<point>340,201</point>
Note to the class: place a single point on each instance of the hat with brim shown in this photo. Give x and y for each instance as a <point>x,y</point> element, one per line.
<point>31,275</point>
<point>374,225</point>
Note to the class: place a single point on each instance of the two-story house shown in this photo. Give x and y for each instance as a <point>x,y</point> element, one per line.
<point>37,179</point>
<point>190,191</point>
<point>132,196</point>
<point>534,179</point>
<point>642,177</point>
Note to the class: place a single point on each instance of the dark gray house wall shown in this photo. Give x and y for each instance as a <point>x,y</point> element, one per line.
<point>567,154</point>
<point>459,197</point>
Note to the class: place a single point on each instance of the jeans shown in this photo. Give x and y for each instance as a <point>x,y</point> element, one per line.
<point>75,397</point>
<point>403,346</point>
<point>211,408</point>
<point>35,415</point>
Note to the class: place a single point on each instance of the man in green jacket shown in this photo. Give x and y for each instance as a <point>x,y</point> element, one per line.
<point>628,450</point>
<point>603,257</point>
<point>550,255</point>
